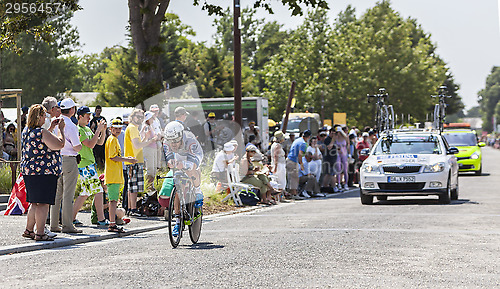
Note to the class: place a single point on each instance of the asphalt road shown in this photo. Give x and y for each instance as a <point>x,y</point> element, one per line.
<point>400,243</point>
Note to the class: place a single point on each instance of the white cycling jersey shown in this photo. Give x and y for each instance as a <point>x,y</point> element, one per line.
<point>189,154</point>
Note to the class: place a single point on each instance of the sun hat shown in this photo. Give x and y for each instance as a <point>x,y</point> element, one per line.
<point>228,147</point>
<point>67,103</point>
<point>278,135</point>
<point>148,115</point>
<point>251,148</point>
<point>116,123</point>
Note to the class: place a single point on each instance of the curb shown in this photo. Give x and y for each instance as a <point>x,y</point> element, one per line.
<point>78,239</point>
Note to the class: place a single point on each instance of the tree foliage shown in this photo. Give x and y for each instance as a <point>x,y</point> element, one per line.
<point>20,17</point>
<point>489,97</point>
<point>43,68</point>
<point>337,66</point>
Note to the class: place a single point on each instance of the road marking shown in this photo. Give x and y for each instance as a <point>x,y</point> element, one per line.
<point>380,230</point>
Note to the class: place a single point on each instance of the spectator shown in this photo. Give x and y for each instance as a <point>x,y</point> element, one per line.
<point>113,172</point>
<point>252,130</point>
<point>53,110</point>
<point>87,165</point>
<point>150,151</point>
<point>40,167</point>
<point>181,115</point>
<point>329,160</point>
<point>120,212</point>
<point>158,125</point>
<point>24,114</point>
<point>250,175</point>
<point>121,141</point>
<point>342,165</point>
<point>225,133</point>
<point>66,185</point>
<point>10,142</point>
<point>196,127</point>
<point>294,162</point>
<point>307,178</point>
<point>278,159</point>
<point>98,149</point>
<point>317,158</point>
<point>133,149</point>
<point>364,144</point>
<point>372,139</point>
<point>210,129</point>
<point>221,162</point>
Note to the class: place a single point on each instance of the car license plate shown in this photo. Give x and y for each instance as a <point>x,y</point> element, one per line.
<point>401,179</point>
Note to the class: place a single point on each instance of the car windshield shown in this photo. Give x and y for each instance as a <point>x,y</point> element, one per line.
<point>461,139</point>
<point>293,125</point>
<point>408,145</point>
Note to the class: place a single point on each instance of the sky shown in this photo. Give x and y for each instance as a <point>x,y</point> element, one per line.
<point>467,33</point>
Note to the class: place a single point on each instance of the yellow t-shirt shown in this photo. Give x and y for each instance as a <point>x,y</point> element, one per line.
<point>113,171</point>
<point>132,132</point>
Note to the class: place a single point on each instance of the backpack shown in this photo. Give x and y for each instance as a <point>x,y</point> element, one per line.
<point>149,204</point>
<point>248,197</point>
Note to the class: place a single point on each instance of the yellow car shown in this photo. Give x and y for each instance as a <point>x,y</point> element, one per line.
<point>469,156</point>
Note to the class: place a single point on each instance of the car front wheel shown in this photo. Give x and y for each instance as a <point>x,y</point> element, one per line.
<point>445,197</point>
<point>365,199</point>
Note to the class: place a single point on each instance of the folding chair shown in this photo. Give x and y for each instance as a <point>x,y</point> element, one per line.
<point>234,184</point>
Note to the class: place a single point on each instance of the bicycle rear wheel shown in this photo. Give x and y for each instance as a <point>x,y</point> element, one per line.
<point>195,227</point>
<point>174,240</point>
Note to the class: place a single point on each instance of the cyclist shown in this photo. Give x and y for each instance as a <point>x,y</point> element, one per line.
<point>183,152</point>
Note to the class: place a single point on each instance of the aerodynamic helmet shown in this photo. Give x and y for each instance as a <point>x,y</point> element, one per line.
<point>173,131</point>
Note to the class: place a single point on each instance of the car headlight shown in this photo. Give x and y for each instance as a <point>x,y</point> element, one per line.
<point>435,168</point>
<point>369,168</point>
<point>474,156</point>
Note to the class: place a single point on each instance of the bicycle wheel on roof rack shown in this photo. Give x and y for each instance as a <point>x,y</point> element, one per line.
<point>174,240</point>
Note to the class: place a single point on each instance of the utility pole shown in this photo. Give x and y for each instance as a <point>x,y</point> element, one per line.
<point>237,65</point>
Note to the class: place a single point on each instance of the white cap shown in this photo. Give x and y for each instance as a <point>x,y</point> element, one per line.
<point>228,147</point>
<point>148,115</point>
<point>234,142</point>
<point>365,134</point>
<point>67,103</point>
<point>339,128</point>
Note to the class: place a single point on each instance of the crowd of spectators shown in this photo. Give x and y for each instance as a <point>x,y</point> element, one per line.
<point>297,167</point>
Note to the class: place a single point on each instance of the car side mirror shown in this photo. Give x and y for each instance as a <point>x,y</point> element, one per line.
<point>364,152</point>
<point>481,144</point>
<point>453,151</point>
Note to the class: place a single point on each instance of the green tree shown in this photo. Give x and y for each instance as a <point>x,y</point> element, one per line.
<point>43,68</point>
<point>489,97</point>
<point>35,18</point>
<point>145,20</point>
<point>118,83</point>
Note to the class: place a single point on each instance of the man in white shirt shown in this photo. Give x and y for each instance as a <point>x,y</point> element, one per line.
<point>66,184</point>
<point>308,179</point>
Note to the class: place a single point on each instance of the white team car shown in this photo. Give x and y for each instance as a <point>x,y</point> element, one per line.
<point>414,162</point>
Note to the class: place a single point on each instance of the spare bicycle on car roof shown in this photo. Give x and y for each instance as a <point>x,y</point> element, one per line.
<point>384,114</point>
<point>440,109</point>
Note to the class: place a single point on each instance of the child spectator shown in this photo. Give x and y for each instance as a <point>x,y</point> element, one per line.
<point>113,173</point>
<point>120,212</point>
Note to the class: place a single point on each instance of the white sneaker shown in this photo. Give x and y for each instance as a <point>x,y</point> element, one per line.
<point>335,189</point>
<point>49,233</point>
<point>305,194</point>
<point>346,187</point>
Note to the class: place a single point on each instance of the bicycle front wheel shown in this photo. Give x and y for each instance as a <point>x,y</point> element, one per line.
<point>174,240</point>
<point>195,227</point>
